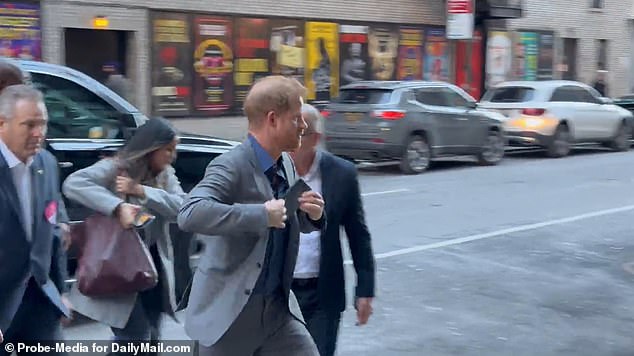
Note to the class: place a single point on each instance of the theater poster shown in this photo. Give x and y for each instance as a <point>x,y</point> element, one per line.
<point>469,64</point>
<point>20,35</point>
<point>499,58</point>
<point>383,51</point>
<point>353,53</point>
<point>213,65</point>
<point>525,50</point>
<point>436,62</point>
<point>322,61</point>
<point>410,54</point>
<point>287,48</point>
<point>546,53</point>
<point>171,64</point>
<point>252,55</point>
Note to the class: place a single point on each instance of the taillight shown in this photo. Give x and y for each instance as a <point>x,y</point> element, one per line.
<point>533,112</point>
<point>389,114</point>
<point>325,113</point>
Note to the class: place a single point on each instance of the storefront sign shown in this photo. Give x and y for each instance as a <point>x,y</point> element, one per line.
<point>252,55</point>
<point>20,35</point>
<point>460,19</point>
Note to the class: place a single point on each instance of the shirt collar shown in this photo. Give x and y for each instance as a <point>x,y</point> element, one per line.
<point>9,156</point>
<point>264,158</point>
<point>314,168</point>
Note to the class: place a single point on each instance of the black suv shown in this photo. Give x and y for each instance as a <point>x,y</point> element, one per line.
<point>88,121</point>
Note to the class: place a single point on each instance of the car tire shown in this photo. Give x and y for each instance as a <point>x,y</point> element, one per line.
<point>621,141</point>
<point>417,155</point>
<point>492,152</point>
<point>560,144</point>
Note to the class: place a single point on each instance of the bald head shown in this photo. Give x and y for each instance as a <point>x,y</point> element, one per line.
<point>9,75</point>
<point>272,93</point>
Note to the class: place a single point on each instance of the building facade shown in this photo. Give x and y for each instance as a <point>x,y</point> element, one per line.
<point>580,38</point>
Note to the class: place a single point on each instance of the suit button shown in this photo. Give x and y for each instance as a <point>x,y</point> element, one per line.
<point>259,265</point>
<point>247,291</point>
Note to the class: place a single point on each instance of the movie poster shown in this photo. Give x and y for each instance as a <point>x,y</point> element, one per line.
<point>436,62</point>
<point>213,65</point>
<point>469,65</point>
<point>322,61</point>
<point>252,55</point>
<point>171,64</point>
<point>410,56</point>
<point>382,51</point>
<point>287,48</point>
<point>353,53</point>
<point>499,58</point>
<point>546,55</point>
<point>20,35</point>
<point>525,56</point>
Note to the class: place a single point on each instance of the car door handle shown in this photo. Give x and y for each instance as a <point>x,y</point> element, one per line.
<point>65,164</point>
<point>463,118</point>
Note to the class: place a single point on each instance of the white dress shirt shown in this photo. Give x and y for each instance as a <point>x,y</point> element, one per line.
<point>22,180</point>
<point>308,258</point>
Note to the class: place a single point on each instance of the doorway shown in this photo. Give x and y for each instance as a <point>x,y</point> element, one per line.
<point>569,59</point>
<point>89,50</point>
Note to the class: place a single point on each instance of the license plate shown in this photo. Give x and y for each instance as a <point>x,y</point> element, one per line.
<point>353,116</point>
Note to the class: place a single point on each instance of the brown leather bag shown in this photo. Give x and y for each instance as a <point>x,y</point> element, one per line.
<point>113,261</point>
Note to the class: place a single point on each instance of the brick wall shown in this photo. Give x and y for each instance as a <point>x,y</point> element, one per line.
<point>575,19</point>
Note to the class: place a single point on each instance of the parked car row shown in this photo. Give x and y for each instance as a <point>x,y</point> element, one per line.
<point>415,122</point>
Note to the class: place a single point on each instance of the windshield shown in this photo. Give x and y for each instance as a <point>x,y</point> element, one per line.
<point>364,96</point>
<point>509,95</point>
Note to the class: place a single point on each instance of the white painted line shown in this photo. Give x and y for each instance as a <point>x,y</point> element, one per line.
<point>385,192</point>
<point>491,234</point>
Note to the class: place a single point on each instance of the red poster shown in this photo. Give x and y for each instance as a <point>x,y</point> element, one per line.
<point>469,65</point>
<point>213,65</point>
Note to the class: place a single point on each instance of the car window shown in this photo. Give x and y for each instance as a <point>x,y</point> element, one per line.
<point>515,94</point>
<point>586,96</point>
<point>564,94</point>
<point>76,112</point>
<point>364,96</point>
<point>455,99</point>
<point>432,96</point>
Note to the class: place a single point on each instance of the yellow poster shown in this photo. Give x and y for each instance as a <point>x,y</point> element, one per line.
<point>322,60</point>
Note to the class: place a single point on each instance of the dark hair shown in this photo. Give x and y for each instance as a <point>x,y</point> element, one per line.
<point>133,157</point>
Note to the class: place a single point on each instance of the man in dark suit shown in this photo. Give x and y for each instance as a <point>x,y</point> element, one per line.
<point>31,305</point>
<point>319,276</point>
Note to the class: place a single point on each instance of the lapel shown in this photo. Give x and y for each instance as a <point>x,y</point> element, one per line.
<point>260,179</point>
<point>38,201</point>
<point>327,180</point>
<point>6,184</point>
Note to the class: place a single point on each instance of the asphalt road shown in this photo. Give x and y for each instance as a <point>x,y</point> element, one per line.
<point>531,257</point>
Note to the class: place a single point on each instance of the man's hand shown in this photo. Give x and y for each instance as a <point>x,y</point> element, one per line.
<point>66,321</point>
<point>127,186</point>
<point>126,213</point>
<point>312,204</point>
<point>65,235</point>
<point>276,212</point>
<point>364,310</point>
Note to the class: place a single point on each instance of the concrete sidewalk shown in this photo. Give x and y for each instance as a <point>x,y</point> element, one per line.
<point>229,127</point>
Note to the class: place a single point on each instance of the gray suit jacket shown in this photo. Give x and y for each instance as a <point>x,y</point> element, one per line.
<point>227,205</point>
<point>93,187</point>
<point>21,259</point>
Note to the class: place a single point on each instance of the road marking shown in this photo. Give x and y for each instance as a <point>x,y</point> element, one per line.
<point>385,192</point>
<point>488,235</point>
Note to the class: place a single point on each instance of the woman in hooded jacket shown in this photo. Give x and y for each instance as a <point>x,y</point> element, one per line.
<point>139,177</point>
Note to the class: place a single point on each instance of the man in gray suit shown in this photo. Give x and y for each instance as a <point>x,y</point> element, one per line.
<point>30,206</point>
<point>240,302</point>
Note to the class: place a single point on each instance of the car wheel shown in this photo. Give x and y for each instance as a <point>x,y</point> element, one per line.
<point>621,141</point>
<point>560,145</point>
<point>493,149</point>
<point>417,156</point>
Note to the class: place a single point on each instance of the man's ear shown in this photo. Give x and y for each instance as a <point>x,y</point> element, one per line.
<point>271,118</point>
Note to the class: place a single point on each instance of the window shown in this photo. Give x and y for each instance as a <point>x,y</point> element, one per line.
<point>365,96</point>
<point>574,94</point>
<point>455,99</point>
<point>75,112</point>
<point>597,4</point>
<point>602,55</point>
<point>509,95</point>
<point>431,96</point>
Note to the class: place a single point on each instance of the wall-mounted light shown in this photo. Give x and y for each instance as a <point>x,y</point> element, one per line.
<point>100,22</point>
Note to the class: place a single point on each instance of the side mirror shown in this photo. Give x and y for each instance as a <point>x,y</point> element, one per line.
<point>606,101</point>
